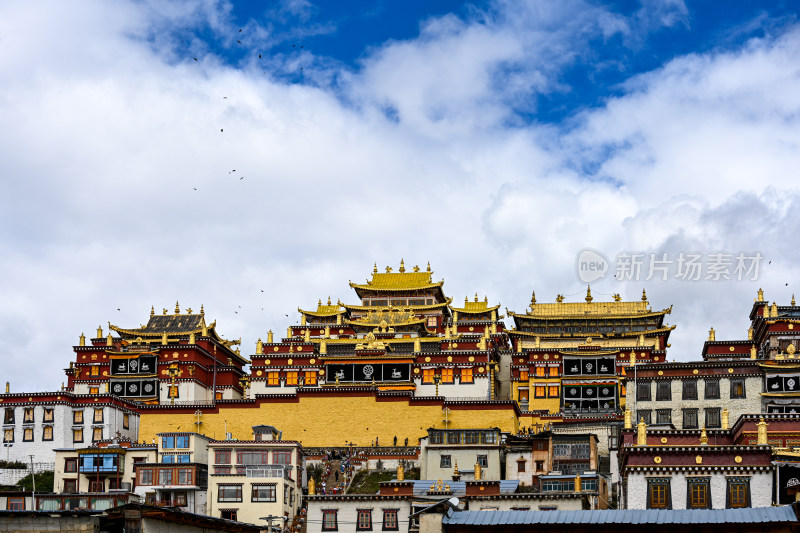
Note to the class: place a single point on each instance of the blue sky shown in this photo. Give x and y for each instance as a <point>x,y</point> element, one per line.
<point>496,140</point>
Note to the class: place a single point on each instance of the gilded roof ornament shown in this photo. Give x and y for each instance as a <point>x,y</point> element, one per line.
<point>388,269</point>
<point>617,297</point>
<point>329,299</point>
<point>375,268</point>
<point>152,311</point>
<point>712,335</point>
<point>416,268</point>
<point>644,295</point>
<point>429,266</point>
<point>177,308</point>
<point>202,312</point>
<point>559,298</point>
<point>589,294</point>
<point>402,266</point>
<point>760,294</point>
<point>533,299</point>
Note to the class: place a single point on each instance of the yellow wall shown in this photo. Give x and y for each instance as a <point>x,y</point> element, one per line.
<point>331,420</point>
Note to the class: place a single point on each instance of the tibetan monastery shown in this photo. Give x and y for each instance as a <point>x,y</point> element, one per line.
<point>567,357</point>
<point>773,342</point>
<point>175,357</point>
<point>404,335</point>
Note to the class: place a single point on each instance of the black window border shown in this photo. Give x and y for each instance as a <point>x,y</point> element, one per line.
<point>698,481</point>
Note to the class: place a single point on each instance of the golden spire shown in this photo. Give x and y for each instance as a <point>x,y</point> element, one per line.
<point>466,300</point>
<point>429,266</point>
<point>416,268</point>
<point>109,340</point>
<point>589,294</point>
<point>329,299</point>
<point>319,302</point>
<point>455,469</point>
<point>760,294</point>
<point>259,346</point>
<point>704,436</point>
<point>152,311</point>
<point>177,308</point>
<point>762,432</point>
<point>270,337</point>
<point>753,352</point>
<point>644,295</point>
<point>402,266</point>
<point>766,311</point>
<point>533,298</point>
<point>99,332</point>
<point>375,268</point>
<point>476,296</point>
<point>641,433</point>
<point>202,312</point>
<point>83,339</point>
<point>8,387</point>
<point>712,335</point>
<point>485,299</point>
<point>774,311</point>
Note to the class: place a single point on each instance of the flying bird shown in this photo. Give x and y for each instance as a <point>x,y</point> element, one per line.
<point>221,129</point>
<point>194,58</point>
<point>240,42</point>
<point>259,56</point>
<point>240,30</point>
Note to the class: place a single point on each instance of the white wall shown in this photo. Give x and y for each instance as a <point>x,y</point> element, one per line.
<point>760,488</point>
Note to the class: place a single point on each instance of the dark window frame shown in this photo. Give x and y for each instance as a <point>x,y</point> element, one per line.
<point>698,492</point>
<point>710,414</point>
<point>659,495</point>
<point>711,391</point>
<point>644,391</point>
<point>735,383</point>
<point>689,391</point>
<point>696,424</point>
<point>663,391</point>
<point>739,483</point>
<point>445,461</point>
<point>367,515</point>
<point>326,526</point>
<point>663,416</point>
<point>387,521</point>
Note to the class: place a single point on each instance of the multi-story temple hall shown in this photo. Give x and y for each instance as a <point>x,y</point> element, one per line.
<point>400,360</point>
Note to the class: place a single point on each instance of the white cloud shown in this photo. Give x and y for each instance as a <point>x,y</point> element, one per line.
<point>109,127</point>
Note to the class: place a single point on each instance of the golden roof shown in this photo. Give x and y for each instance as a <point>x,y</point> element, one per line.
<point>385,307</point>
<point>590,309</point>
<point>324,309</point>
<point>400,280</point>
<point>475,307</point>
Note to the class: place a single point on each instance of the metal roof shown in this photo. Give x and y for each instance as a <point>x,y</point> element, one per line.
<point>459,488</point>
<point>645,516</point>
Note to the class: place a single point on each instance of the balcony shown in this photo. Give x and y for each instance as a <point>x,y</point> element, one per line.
<point>261,471</point>
<point>96,501</point>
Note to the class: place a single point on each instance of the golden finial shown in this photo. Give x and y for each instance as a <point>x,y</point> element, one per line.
<point>589,294</point>
<point>429,266</point>
<point>485,299</point>
<point>416,268</point>
<point>762,432</point>
<point>753,354</point>
<point>188,310</point>
<point>760,294</point>
<point>641,433</point>
<point>477,472</point>
<point>577,483</point>
<point>533,298</point>
<point>627,418</point>
<point>644,295</point>
<point>388,269</point>
<point>455,469</point>
<point>774,311</point>
<point>476,296</point>
<point>152,310</point>
<point>270,337</point>
<point>83,339</point>
<point>712,335</point>
<point>329,299</point>
<point>312,486</point>
<point>401,474</point>
<point>703,436</point>
<point>99,332</point>
<point>259,346</point>
<point>750,333</point>
<point>725,418</point>
<point>766,311</point>
<point>633,357</point>
<point>319,302</point>
<point>202,312</point>
<point>109,340</point>
<point>559,298</point>
<point>617,297</point>
<point>402,266</point>
<point>8,387</point>
<point>177,308</point>
<point>466,300</point>
<point>164,311</point>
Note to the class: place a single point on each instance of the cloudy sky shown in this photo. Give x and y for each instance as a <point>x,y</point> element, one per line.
<point>255,156</point>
